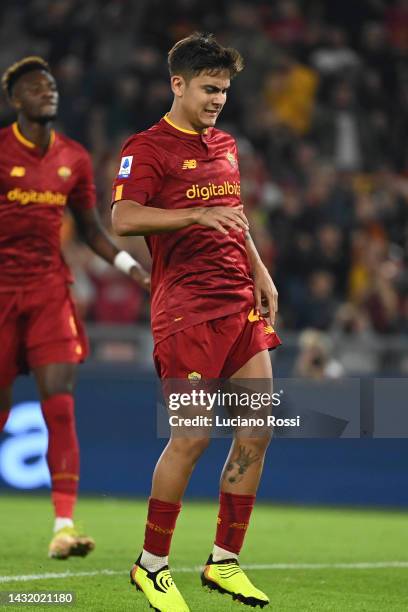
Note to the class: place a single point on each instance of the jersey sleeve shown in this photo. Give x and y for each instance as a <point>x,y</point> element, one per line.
<point>83,194</point>
<point>140,174</point>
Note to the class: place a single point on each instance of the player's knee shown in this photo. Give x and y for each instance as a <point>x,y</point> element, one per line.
<point>56,387</point>
<point>192,448</point>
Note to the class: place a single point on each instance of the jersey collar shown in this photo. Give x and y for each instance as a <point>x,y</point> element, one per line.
<point>27,143</point>
<point>183,130</point>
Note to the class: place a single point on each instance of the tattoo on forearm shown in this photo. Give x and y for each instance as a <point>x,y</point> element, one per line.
<point>248,236</point>
<point>236,468</point>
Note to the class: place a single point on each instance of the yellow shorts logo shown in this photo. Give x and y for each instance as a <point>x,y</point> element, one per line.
<point>254,316</point>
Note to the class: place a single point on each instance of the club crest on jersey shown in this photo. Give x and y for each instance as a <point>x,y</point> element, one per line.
<point>18,171</point>
<point>125,166</point>
<point>64,172</point>
<point>231,158</point>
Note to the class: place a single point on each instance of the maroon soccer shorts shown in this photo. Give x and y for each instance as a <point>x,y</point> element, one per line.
<point>38,327</point>
<point>215,348</point>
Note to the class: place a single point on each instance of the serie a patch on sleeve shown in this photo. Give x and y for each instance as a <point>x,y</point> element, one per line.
<point>125,166</point>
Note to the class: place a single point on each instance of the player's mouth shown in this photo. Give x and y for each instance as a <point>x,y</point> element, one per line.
<point>212,113</point>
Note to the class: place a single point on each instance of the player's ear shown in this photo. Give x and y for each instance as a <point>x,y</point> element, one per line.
<point>14,102</point>
<point>178,85</point>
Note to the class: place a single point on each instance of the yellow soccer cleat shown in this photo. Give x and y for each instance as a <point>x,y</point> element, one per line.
<point>159,588</point>
<point>227,577</point>
<point>67,542</point>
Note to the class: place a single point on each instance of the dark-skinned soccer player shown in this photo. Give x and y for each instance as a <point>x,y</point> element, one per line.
<point>41,173</point>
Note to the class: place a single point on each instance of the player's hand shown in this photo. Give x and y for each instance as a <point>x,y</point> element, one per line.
<point>265,293</point>
<point>223,218</point>
<point>142,277</point>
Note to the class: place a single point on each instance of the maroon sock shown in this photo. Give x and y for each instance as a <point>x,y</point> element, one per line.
<point>3,418</point>
<point>63,450</point>
<point>233,519</point>
<point>160,525</point>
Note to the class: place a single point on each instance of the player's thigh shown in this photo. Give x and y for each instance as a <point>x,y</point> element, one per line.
<point>55,340</point>
<point>54,378</point>
<point>258,366</point>
<point>11,338</point>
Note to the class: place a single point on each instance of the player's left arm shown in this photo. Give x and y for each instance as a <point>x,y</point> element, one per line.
<point>93,233</point>
<point>82,205</point>
<point>265,292</point>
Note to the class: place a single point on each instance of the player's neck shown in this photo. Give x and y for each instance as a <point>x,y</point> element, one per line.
<point>36,133</point>
<point>179,120</point>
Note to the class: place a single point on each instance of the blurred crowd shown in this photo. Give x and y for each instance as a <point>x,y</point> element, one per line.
<point>321,118</point>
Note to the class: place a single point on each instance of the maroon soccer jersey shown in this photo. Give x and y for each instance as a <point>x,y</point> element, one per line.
<point>198,273</point>
<point>34,190</point>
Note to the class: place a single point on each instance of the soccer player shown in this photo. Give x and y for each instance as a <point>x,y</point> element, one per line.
<point>42,172</point>
<point>179,185</point>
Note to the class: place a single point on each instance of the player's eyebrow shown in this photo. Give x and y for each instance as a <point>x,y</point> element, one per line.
<point>215,89</point>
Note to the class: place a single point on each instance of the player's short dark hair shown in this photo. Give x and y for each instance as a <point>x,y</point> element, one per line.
<point>202,53</point>
<point>16,70</point>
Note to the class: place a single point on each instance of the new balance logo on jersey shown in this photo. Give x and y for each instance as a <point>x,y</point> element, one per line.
<point>17,171</point>
<point>189,164</point>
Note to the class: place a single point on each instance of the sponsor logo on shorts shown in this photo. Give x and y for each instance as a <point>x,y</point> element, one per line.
<point>254,316</point>
<point>194,376</point>
<point>268,329</point>
<point>17,171</point>
<point>125,166</point>
<point>189,164</point>
<point>73,325</point>
<point>54,198</point>
<point>206,192</point>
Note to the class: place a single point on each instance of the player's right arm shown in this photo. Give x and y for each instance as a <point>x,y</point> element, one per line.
<point>130,218</point>
<point>141,175</point>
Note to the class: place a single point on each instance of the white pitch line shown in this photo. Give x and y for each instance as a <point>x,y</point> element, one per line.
<point>198,568</point>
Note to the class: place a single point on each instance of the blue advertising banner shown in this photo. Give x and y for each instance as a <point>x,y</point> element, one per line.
<point>116,415</point>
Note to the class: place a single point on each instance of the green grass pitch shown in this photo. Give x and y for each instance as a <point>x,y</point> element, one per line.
<point>278,535</point>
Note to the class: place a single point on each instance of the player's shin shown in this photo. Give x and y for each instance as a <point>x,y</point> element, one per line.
<point>63,453</point>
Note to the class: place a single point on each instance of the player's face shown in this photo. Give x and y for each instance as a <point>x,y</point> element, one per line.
<point>35,95</point>
<point>203,98</point>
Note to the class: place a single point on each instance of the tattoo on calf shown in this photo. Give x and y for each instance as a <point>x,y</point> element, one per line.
<point>235,470</point>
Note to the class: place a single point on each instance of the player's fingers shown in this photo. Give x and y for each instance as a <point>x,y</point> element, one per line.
<point>217,225</point>
<point>239,219</point>
<point>273,305</point>
<point>243,216</point>
<point>258,300</point>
